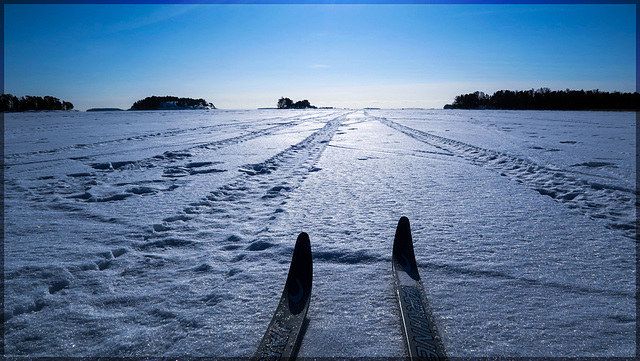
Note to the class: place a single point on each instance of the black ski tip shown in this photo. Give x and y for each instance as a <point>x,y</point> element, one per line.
<point>403,223</point>
<point>403,242</point>
<point>299,280</point>
<point>303,242</point>
<point>403,253</point>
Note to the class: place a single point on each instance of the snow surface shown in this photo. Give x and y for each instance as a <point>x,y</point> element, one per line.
<point>170,233</point>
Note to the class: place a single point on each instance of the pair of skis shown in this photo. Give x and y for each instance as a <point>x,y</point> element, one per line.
<point>280,342</point>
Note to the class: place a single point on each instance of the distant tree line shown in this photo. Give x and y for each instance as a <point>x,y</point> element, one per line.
<point>546,99</point>
<point>170,102</point>
<point>104,110</point>
<point>11,103</point>
<point>286,103</point>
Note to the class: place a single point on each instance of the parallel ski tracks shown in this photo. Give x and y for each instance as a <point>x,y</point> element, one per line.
<point>170,160</point>
<point>258,188</point>
<point>243,206</point>
<point>599,200</point>
<point>253,196</point>
<point>279,124</point>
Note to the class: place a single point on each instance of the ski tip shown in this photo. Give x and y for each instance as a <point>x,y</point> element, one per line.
<point>303,238</point>
<point>403,239</point>
<point>302,250</point>
<point>299,280</point>
<point>404,222</point>
<point>403,254</point>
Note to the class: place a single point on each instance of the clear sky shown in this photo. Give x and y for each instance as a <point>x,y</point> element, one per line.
<point>248,56</point>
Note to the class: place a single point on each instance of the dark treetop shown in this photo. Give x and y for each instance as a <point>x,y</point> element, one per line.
<point>286,103</point>
<point>11,103</point>
<point>545,99</point>
<point>170,102</point>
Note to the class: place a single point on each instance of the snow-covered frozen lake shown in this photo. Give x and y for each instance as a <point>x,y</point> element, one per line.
<point>170,233</point>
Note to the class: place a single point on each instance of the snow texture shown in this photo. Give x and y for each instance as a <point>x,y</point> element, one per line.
<point>170,233</point>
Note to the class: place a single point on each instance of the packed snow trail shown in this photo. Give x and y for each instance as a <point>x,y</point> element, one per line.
<point>122,243</point>
<point>611,202</point>
<point>496,253</point>
<point>176,234</point>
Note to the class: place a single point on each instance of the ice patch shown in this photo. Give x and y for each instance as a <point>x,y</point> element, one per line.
<point>345,257</point>
<point>233,238</point>
<point>260,246</point>
<point>206,171</point>
<point>161,227</point>
<point>594,164</point>
<point>180,217</point>
<point>142,190</point>
<point>112,165</point>
<point>80,175</point>
<point>276,191</point>
<point>198,164</point>
<point>115,197</point>
<point>203,268</point>
<point>167,243</point>
<point>255,169</point>
<point>170,155</point>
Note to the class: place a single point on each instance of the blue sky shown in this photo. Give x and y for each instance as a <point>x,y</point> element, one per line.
<point>247,56</point>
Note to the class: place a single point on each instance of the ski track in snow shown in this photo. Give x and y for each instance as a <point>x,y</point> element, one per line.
<point>100,185</point>
<point>125,280</point>
<point>176,239</point>
<point>599,200</point>
<point>265,183</point>
<point>14,158</point>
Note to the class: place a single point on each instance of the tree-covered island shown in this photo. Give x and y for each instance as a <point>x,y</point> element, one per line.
<point>11,103</point>
<point>546,99</point>
<point>170,103</point>
<point>286,103</point>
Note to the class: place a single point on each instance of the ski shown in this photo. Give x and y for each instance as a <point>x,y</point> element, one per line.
<point>421,335</point>
<point>280,341</point>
